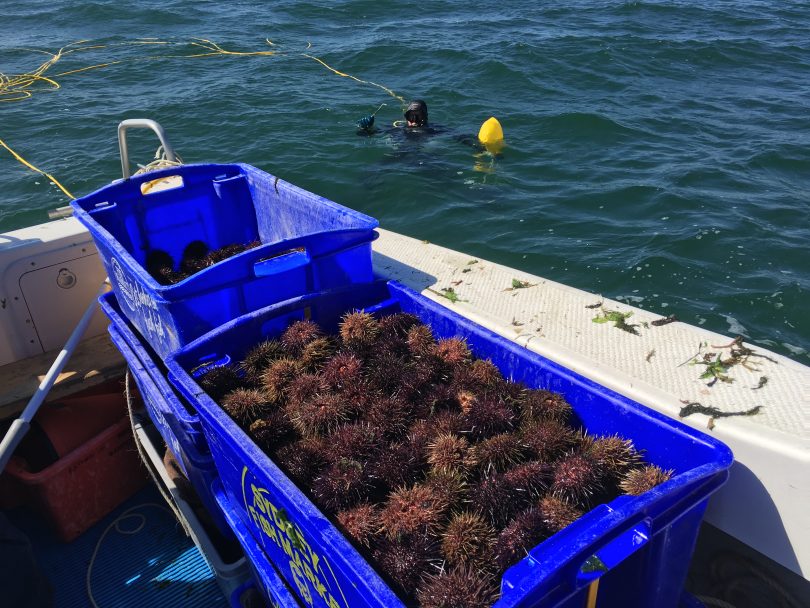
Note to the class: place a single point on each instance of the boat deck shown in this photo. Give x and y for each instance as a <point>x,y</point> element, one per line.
<point>660,366</point>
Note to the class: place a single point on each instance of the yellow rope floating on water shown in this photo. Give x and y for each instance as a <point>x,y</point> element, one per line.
<point>18,87</point>
<point>339,73</point>
<point>33,168</point>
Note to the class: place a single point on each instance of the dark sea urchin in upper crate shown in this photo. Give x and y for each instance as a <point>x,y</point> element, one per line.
<point>438,469</point>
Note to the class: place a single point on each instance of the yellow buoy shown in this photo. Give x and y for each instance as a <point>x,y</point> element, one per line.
<point>491,135</point>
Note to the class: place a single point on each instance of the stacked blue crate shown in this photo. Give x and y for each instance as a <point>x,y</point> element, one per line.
<point>643,543</point>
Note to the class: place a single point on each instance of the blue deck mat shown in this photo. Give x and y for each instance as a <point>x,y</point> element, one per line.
<point>157,566</point>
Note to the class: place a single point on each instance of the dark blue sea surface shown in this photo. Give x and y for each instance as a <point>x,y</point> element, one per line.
<point>658,152</point>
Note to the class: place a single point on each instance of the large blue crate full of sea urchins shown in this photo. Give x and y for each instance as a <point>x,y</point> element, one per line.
<point>638,548</point>
<point>192,247</point>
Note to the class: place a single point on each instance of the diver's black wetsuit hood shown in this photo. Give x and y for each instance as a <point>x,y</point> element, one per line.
<point>417,112</point>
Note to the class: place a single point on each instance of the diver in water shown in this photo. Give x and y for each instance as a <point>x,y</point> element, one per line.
<point>416,115</point>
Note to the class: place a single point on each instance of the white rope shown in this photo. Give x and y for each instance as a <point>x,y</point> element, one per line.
<point>128,514</point>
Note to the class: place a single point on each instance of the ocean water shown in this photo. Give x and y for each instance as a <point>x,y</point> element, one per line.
<point>658,152</point>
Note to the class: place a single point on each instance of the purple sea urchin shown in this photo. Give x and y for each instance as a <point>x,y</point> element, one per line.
<point>391,415</point>
<point>557,513</point>
<point>453,352</point>
<point>245,405</point>
<point>303,460</point>
<point>320,415</point>
<point>576,478</point>
<point>449,487</point>
<point>447,452</point>
<point>539,404</point>
<point>530,478</point>
<point>547,440</point>
<point>404,560</point>
<point>420,340</point>
<point>219,381</point>
<point>298,335</point>
<point>355,441</point>
<point>397,465</point>
<point>305,388</point>
<point>397,325</point>
<point>271,431</point>
<point>316,352</point>
<point>497,453</point>
<point>460,587</point>
<point>522,534</point>
<point>468,539</point>
<point>342,370</point>
<point>644,479</point>
<point>412,510</point>
<point>485,373</point>
<point>193,258</point>
<point>494,499</point>
<point>487,417</point>
<point>614,455</point>
<point>259,358</point>
<point>361,523</point>
<point>341,485</point>
<point>358,330</point>
<point>277,378</point>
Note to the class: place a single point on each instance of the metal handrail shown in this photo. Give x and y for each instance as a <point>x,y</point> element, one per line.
<point>143,123</point>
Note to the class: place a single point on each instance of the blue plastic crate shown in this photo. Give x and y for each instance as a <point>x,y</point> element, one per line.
<point>266,577</point>
<point>177,413</point>
<point>309,244</point>
<point>160,401</point>
<point>646,542</point>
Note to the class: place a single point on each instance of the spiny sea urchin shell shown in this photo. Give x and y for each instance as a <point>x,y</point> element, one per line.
<point>644,479</point>
<point>355,441</point>
<point>341,485</point>
<point>193,258</point>
<point>460,587</point>
<point>447,452</point>
<point>557,513</point>
<point>299,334</point>
<point>449,487</point>
<point>219,381</point>
<point>530,478</point>
<point>358,330</point>
<point>316,353</point>
<point>521,535</point>
<point>420,340</point>
<point>397,465</point>
<point>417,509</point>
<point>391,415</point>
<point>487,417</point>
<point>468,539</point>
<point>361,523</point>
<point>404,560</point>
<point>547,440</point>
<point>303,459</point>
<point>497,453</point>
<point>277,378</point>
<point>576,478</point>
<point>320,415</point>
<point>344,369</point>
<point>160,265</point>
<point>306,387</point>
<point>245,405</point>
<point>259,358</point>
<point>500,496</point>
<point>397,325</point>
<point>271,431</point>
<point>544,405</point>
<point>453,352</point>
<point>485,373</point>
<point>614,455</point>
